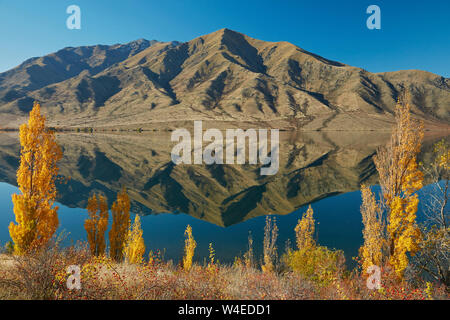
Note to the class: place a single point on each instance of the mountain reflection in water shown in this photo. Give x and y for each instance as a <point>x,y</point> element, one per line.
<point>313,166</point>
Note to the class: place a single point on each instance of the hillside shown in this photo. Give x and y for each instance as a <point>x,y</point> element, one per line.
<point>224,76</point>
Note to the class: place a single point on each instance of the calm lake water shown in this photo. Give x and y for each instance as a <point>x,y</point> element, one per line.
<point>223,204</point>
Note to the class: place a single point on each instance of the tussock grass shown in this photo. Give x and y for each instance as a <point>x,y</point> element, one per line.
<point>42,275</point>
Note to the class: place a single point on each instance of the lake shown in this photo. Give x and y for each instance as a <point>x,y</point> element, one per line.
<point>222,203</point>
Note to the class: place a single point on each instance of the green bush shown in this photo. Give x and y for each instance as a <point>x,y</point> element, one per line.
<point>316,263</point>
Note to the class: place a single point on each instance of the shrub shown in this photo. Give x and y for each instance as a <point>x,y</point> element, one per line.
<point>318,263</point>
<point>189,248</point>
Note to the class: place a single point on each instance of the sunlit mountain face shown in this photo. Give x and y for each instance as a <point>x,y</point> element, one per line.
<point>332,118</point>
<point>222,76</point>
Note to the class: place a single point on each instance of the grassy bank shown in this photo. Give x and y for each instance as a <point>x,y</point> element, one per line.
<point>43,275</point>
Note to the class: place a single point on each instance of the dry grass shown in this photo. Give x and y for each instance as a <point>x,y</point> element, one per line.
<point>33,276</point>
<point>42,275</point>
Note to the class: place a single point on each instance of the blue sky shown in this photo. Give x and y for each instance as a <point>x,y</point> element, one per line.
<point>414,34</point>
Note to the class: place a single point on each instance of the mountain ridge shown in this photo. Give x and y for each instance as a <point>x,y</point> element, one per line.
<point>223,76</point>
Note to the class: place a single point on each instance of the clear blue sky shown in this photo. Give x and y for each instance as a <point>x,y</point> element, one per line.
<point>414,34</point>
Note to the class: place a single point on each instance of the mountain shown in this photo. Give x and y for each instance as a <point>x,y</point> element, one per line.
<point>223,77</point>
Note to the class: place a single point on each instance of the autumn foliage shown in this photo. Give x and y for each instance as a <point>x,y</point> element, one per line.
<point>373,250</point>
<point>120,225</point>
<point>317,263</point>
<point>126,242</point>
<point>304,230</point>
<point>36,217</point>
<point>400,179</point>
<point>310,271</point>
<point>135,246</point>
<point>96,224</point>
<point>189,248</point>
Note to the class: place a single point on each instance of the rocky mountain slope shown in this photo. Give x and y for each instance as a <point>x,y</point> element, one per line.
<point>224,76</point>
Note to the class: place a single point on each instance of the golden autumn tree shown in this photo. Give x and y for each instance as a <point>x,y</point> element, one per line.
<point>304,230</point>
<point>135,246</point>
<point>120,224</point>
<point>36,217</point>
<point>372,251</point>
<point>189,248</point>
<point>96,224</point>
<point>400,179</point>
<point>311,260</point>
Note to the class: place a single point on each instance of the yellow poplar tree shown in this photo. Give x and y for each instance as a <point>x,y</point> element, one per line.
<point>212,258</point>
<point>372,251</point>
<point>304,231</point>
<point>135,246</point>
<point>120,225</point>
<point>36,218</point>
<point>400,179</point>
<point>189,248</point>
<point>315,262</point>
<point>96,224</point>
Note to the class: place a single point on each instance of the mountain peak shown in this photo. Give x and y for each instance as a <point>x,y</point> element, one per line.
<point>222,75</point>
<point>222,34</point>
<point>140,44</point>
<point>225,30</point>
<point>140,40</point>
